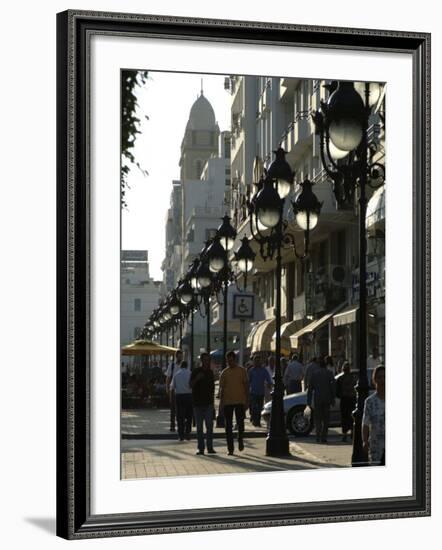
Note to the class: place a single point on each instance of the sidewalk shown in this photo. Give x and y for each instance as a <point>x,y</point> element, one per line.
<point>155,424</point>
<point>153,458</point>
<point>149,449</point>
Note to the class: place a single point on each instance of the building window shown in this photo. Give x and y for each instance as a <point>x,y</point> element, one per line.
<point>227,147</point>
<point>137,332</point>
<point>137,304</point>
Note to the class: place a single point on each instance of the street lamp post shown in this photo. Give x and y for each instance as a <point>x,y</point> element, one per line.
<point>181,328</point>
<point>191,338</point>
<point>342,124</point>
<point>269,229</point>
<point>218,254</point>
<point>244,258</point>
<point>204,279</point>
<point>226,235</point>
<point>185,293</point>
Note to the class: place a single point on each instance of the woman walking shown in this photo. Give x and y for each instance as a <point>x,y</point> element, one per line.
<point>373,421</point>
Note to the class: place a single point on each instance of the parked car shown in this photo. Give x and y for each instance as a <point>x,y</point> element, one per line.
<point>294,405</point>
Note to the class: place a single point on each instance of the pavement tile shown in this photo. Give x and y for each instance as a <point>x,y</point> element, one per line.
<point>166,457</point>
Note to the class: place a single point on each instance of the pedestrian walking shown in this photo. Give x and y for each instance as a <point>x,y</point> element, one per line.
<point>234,398</point>
<point>311,367</point>
<point>373,420</point>
<point>328,360</point>
<point>345,391</point>
<point>320,397</point>
<point>340,362</point>
<point>294,375</point>
<point>183,400</point>
<point>171,369</point>
<point>259,378</point>
<point>202,383</point>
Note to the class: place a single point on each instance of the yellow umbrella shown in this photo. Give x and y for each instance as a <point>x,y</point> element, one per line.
<point>146,347</point>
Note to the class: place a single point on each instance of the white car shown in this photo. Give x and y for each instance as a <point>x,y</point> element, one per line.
<point>294,405</point>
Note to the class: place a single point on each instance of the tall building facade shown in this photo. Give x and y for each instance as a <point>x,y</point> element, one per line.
<point>139,294</point>
<point>197,204</point>
<point>319,295</point>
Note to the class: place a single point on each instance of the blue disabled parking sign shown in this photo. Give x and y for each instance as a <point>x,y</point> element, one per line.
<point>243,306</point>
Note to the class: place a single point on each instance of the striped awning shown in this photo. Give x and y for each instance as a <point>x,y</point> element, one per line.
<point>262,339</point>
<point>314,325</point>
<point>346,317</point>
<point>253,329</point>
<point>287,329</point>
<point>375,207</point>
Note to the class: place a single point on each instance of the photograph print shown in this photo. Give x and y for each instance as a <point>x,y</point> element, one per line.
<point>252,274</point>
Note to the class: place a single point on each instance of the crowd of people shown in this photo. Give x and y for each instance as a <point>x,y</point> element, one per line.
<point>143,386</point>
<point>192,398</point>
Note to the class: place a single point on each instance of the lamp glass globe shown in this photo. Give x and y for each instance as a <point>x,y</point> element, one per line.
<point>245,265</point>
<point>346,134</point>
<point>194,282</point>
<point>283,187</point>
<point>216,264</point>
<point>336,154</point>
<point>204,282</point>
<point>269,217</point>
<point>306,220</point>
<point>186,298</point>
<point>227,243</point>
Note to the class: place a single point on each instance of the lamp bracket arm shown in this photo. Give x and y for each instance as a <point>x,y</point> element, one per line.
<point>289,241</point>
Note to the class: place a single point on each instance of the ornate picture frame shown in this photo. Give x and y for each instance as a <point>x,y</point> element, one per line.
<point>75,30</point>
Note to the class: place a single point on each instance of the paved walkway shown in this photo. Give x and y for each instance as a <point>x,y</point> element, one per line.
<point>149,449</point>
<point>155,422</point>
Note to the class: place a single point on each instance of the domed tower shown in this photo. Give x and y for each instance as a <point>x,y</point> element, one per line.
<point>200,139</point>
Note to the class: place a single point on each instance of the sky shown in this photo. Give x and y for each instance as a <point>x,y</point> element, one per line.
<point>166,99</point>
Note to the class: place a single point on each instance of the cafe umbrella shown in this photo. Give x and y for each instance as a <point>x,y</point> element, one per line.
<point>147,347</point>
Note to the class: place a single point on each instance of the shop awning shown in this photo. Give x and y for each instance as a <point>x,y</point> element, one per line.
<point>147,347</point>
<point>346,317</point>
<point>314,326</point>
<point>252,333</point>
<point>287,329</point>
<point>262,339</point>
<point>376,207</point>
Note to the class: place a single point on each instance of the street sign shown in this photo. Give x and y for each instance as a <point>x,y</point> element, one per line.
<point>243,306</point>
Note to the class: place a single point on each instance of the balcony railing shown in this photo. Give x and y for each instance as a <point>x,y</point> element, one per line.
<point>206,211</point>
<point>297,131</point>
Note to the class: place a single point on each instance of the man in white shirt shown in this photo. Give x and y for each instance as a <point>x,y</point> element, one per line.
<point>293,376</point>
<point>183,400</point>
<point>171,368</point>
